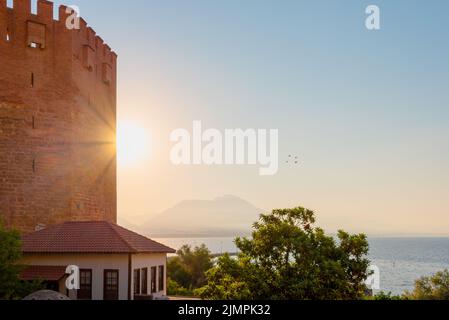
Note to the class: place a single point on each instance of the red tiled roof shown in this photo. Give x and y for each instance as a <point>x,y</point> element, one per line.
<point>90,237</point>
<point>48,273</point>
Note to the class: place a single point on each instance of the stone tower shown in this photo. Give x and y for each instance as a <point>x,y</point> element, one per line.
<point>57,119</point>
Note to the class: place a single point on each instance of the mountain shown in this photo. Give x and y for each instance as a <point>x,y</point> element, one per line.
<point>128,224</point>
<point>221,217</point>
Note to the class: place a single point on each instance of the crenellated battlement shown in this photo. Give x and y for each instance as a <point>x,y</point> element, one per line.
<point>19,27</point>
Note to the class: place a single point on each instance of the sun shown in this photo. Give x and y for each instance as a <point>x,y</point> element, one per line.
<point>133,143</point>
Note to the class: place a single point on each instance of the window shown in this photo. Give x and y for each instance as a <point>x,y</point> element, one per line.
<point>85,291</point>
<point>32,79</point>
<point>88,58</point>
<point>107,73</point>
<point>137,281</point>
<point>111,284</point>
<point>8,37</point>
<point>153,279</point>
<point>36,35</point>
<point>144,276</point>
<point>161,279</point>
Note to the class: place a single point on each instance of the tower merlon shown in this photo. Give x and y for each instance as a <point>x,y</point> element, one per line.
<point>45,10</point>
<point>22,7</point>
<point>83,24</point>
<point>107,53</point>
<point>90,37</point>
<point>99,42</point>
<point>64,13</point>
<point>3,23</point>
<point>40,28</point>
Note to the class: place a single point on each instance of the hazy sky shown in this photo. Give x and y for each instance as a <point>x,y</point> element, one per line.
<point>367,112</point>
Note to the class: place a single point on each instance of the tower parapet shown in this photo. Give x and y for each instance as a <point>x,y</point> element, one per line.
<point>57,119</point>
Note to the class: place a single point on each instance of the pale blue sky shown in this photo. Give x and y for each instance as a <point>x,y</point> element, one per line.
<point>367,112</point>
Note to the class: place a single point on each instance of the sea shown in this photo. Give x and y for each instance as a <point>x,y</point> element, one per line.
<point>400,260</point>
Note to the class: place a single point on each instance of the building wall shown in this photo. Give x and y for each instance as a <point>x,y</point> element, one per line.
<point>140,261</point>
<point>57,120</point>
<point>98,263</point>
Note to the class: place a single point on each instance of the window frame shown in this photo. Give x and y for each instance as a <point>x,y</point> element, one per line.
<point>105,284</point>
<point>144,281</point>
<point>85,294</point>
<point>136,282</point>
<point>153,280</point>
<point>161,278</point>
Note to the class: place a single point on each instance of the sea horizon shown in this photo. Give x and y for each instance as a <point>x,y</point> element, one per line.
<point>401,260</point>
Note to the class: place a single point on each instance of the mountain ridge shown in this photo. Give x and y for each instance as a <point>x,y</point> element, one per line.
<point>224,216</point>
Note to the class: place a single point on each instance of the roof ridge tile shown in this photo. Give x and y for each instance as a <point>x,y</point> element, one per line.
<point>111,226</point>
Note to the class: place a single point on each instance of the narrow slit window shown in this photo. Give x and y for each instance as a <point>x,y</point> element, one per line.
<point>32,79</point>
<point>8,37</point>
<point>36,35</point>
<point>161,278</point>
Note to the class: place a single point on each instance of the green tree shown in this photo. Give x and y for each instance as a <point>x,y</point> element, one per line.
<point>227,280</point>
<point>435,287</point>
<point>10,254</point>
<point>187,270</point>
<point>386,296</point>
<point>178,273</point>
<point>175,289</point>
<point>287,258</point>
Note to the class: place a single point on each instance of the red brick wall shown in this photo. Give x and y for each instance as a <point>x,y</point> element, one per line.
<point>57,120</point>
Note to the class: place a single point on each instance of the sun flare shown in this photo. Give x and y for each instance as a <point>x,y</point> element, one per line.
<point>133,143</point>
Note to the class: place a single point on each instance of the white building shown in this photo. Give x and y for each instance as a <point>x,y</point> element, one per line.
<point>114,263</point>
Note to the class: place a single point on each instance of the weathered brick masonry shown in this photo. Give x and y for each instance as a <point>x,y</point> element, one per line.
<point>57,120</point>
